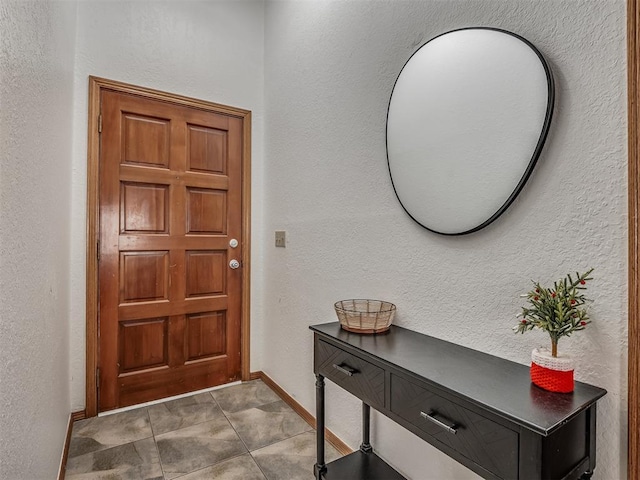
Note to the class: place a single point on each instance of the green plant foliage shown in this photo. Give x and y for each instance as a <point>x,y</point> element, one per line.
<point>559,311</point>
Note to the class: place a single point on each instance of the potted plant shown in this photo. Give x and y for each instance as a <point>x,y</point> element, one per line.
<point>559,311</point>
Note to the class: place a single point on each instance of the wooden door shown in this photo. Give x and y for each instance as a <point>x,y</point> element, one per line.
<point>170,194</point>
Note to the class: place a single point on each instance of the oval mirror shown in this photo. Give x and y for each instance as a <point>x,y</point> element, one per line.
<point>467,119</point>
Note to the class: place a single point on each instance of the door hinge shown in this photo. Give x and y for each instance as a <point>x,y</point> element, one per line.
<point>100,123</point>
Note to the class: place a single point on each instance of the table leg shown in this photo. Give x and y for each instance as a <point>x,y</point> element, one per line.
<point>366,429</point>
<point>591,438</point>
<point>320,467</point>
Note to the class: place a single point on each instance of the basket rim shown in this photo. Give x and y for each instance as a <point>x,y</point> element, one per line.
<point>388,306</point>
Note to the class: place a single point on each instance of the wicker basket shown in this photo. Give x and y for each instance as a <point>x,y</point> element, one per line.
<point>365,316</point>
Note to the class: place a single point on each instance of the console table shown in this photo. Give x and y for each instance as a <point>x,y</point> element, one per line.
<point>479,409</point>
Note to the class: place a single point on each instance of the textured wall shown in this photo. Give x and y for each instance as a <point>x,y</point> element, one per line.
<point>36,85</point>
<point>330,67</point>
<point>208,50</point>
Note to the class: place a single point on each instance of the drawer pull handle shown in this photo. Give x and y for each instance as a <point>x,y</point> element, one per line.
<point>431,416</point>
<point>346,369</point>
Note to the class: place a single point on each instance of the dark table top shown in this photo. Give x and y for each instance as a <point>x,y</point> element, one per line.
<point>499,385</point>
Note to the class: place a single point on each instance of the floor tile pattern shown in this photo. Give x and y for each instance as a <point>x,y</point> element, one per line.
<point>241,432</point>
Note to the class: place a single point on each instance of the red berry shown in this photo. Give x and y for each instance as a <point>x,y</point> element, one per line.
<point>583,323</point>
<point>537,290</point>
<point>573,302</point>
<point>582,282</point>
<point>524,321</point>
<point>553,295</point>
<point>535,298</point>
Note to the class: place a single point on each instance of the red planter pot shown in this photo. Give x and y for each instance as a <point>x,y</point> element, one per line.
<point>551,373</point>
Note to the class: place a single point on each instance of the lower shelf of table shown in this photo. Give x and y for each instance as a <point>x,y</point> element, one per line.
<point>360,466</point>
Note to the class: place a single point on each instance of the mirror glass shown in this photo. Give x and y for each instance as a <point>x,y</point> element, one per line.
<point>467,119</point>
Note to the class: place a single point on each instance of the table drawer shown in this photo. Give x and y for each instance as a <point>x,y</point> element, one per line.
<point>481,440</point>
<point>354,374</point>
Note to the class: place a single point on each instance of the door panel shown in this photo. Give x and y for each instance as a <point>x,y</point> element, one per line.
<point>170,201</point>
<point>144,208</point>
<point>145,140</point>
<point>207,149</point>
<point>206,211</point>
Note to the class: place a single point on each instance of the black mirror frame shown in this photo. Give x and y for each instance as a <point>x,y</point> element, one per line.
<point>536,153</point>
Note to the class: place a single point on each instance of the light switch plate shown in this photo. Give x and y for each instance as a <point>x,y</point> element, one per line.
<point>281,238</point>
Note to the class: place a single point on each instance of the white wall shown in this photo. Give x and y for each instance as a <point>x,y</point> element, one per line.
<point>208,50</point>
<point>330,67</point>
<point>322,176</point>
<point>36,96</point>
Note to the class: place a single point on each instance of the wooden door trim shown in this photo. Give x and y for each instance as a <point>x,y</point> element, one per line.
<point>633,387</point>
<point>96,86</point>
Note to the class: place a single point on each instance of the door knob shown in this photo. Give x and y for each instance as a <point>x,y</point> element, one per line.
<point>233,243</point>
<point>234,263</point>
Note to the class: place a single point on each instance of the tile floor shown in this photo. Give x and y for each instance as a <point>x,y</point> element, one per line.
<point>242,432</point>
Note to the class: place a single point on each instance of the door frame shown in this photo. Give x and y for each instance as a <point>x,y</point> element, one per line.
<point>96,86</point>
<point>633,383</point>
